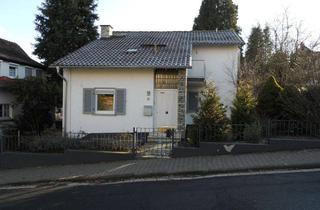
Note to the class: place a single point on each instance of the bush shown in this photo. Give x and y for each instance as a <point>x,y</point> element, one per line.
<point>44,144</point>
<point>269,102</point>
<point>192,135</point>
<point>252,132</point>
<point>37,98</point>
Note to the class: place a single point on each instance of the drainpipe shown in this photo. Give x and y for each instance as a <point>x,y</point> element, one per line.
<point>65,102</point>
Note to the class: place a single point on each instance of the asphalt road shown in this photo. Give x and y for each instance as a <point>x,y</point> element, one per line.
<point>277,191</point>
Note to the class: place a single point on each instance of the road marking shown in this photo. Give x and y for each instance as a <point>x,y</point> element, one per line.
<point>29,193</point>
<point>18,187</point>
<point>199,177</point>
<point>120,167</point>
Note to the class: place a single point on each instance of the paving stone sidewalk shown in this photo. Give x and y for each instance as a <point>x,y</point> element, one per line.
<point>164,167</point>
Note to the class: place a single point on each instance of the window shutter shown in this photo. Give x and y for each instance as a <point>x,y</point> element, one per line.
<point>88,101</point>
<point>120,101</point>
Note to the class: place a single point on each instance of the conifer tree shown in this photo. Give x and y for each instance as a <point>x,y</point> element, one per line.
<point>64,26</point>
<point>211,110</point>
<point>243,106</point>
<point>211,117</point>
<point>217,14</point>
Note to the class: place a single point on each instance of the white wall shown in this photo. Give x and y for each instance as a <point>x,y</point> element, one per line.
<point>136,82</point>
<point>222,64</point>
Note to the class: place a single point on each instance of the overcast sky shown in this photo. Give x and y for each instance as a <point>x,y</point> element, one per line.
<point>17,16</point>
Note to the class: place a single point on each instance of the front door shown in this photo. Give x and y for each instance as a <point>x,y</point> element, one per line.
<point>166,108</point>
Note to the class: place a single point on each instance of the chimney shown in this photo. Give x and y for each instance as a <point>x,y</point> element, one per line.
<point>106,31</point>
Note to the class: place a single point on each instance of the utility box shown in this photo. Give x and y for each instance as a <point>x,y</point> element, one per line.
<point>147,110</point>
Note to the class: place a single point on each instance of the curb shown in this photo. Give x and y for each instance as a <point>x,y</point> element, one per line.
<point>137,178</point>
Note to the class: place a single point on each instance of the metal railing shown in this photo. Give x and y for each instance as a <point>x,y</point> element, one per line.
<point>156,142</point>
<point>100,141</point>
<point>252,133</point>
<point>291,128</point>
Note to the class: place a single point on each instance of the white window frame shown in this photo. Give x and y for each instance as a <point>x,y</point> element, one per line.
<point>15,70</point>
<point>30,69</point>
<point>101,91</point>
<point>9,111</point>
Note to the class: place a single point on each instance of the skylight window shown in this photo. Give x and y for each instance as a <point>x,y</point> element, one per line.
<point>132,50</point>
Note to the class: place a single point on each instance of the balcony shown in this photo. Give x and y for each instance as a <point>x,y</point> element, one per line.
<point>197,75</point>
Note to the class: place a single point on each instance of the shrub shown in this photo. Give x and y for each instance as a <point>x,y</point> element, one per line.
<point>252,132</point>
<point>269,102</point>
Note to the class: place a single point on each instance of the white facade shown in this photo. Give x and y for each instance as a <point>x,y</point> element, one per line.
<point>17,72</point>
<point>21,70</point>
<point>139,85</point>
<point>219,65</point>
<point>215,64</point>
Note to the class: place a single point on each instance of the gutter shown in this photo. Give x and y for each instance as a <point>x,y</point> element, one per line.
<point>65,101</point>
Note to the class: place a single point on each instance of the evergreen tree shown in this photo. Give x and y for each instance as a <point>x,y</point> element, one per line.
<point>64,26</point>
<point>255,45</point>
<point>211,116</point>
<point>267,44</point>
<point>259,46</point>
<point>269,102</point>
<point>243,106</point>
<point>217,14</point>
<point>211,110</point>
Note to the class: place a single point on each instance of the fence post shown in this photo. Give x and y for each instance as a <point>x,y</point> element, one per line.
<point>19,139</point>
<point>172,138</point>
<point>134,141</point>
<point>1,144</point>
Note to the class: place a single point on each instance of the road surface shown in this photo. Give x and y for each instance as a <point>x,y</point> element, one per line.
<point>276,191</point>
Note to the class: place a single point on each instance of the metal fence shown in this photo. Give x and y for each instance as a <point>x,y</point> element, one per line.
<point>156,142</point>
<point>253,133</point>
<point>290,128</point>
<point>142,142</point>
<point>100,141</point>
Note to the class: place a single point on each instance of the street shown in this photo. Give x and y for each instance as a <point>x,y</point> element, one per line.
<point>273,191</point>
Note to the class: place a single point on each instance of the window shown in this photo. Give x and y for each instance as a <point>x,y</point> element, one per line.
<point>12,71</point>
<point>105,101</point>
<point>192,102</point>
<point>38,73</point>
<point>108,101</point>
<point>4,111</point>
<point>28,72</point>
<point>166,79</point>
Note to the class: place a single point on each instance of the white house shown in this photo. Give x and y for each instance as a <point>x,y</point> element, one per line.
<point>14,64</point>
<point>145,79</point>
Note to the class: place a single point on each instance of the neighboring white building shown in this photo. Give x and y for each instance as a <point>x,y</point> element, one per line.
<point>145,79</point>
<point>14,64</point>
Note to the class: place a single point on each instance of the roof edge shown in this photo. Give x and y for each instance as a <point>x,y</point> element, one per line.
<point>122,67</point>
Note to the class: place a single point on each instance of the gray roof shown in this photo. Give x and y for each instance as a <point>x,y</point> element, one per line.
<point>173,49</point>
<point>12,52</point>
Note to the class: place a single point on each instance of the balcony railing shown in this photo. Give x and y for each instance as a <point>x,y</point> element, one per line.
<point>198,70</point>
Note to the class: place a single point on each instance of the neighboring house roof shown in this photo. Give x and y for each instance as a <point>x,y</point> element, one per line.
<point>155,49</point>
<point>12,52</point>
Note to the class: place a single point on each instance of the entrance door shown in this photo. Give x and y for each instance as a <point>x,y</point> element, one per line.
<point>166,108</point>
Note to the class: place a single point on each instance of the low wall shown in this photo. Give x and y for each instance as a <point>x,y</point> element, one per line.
<point>11,160</point>
<point>214,148</point>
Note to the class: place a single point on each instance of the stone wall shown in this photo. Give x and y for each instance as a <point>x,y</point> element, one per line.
<point>182,86</point>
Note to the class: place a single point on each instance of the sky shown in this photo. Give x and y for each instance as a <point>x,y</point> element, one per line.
<point>17,16</point>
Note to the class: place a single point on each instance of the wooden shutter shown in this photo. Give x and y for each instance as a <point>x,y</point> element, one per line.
<point>120,102</point>
<point>88,101</point>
